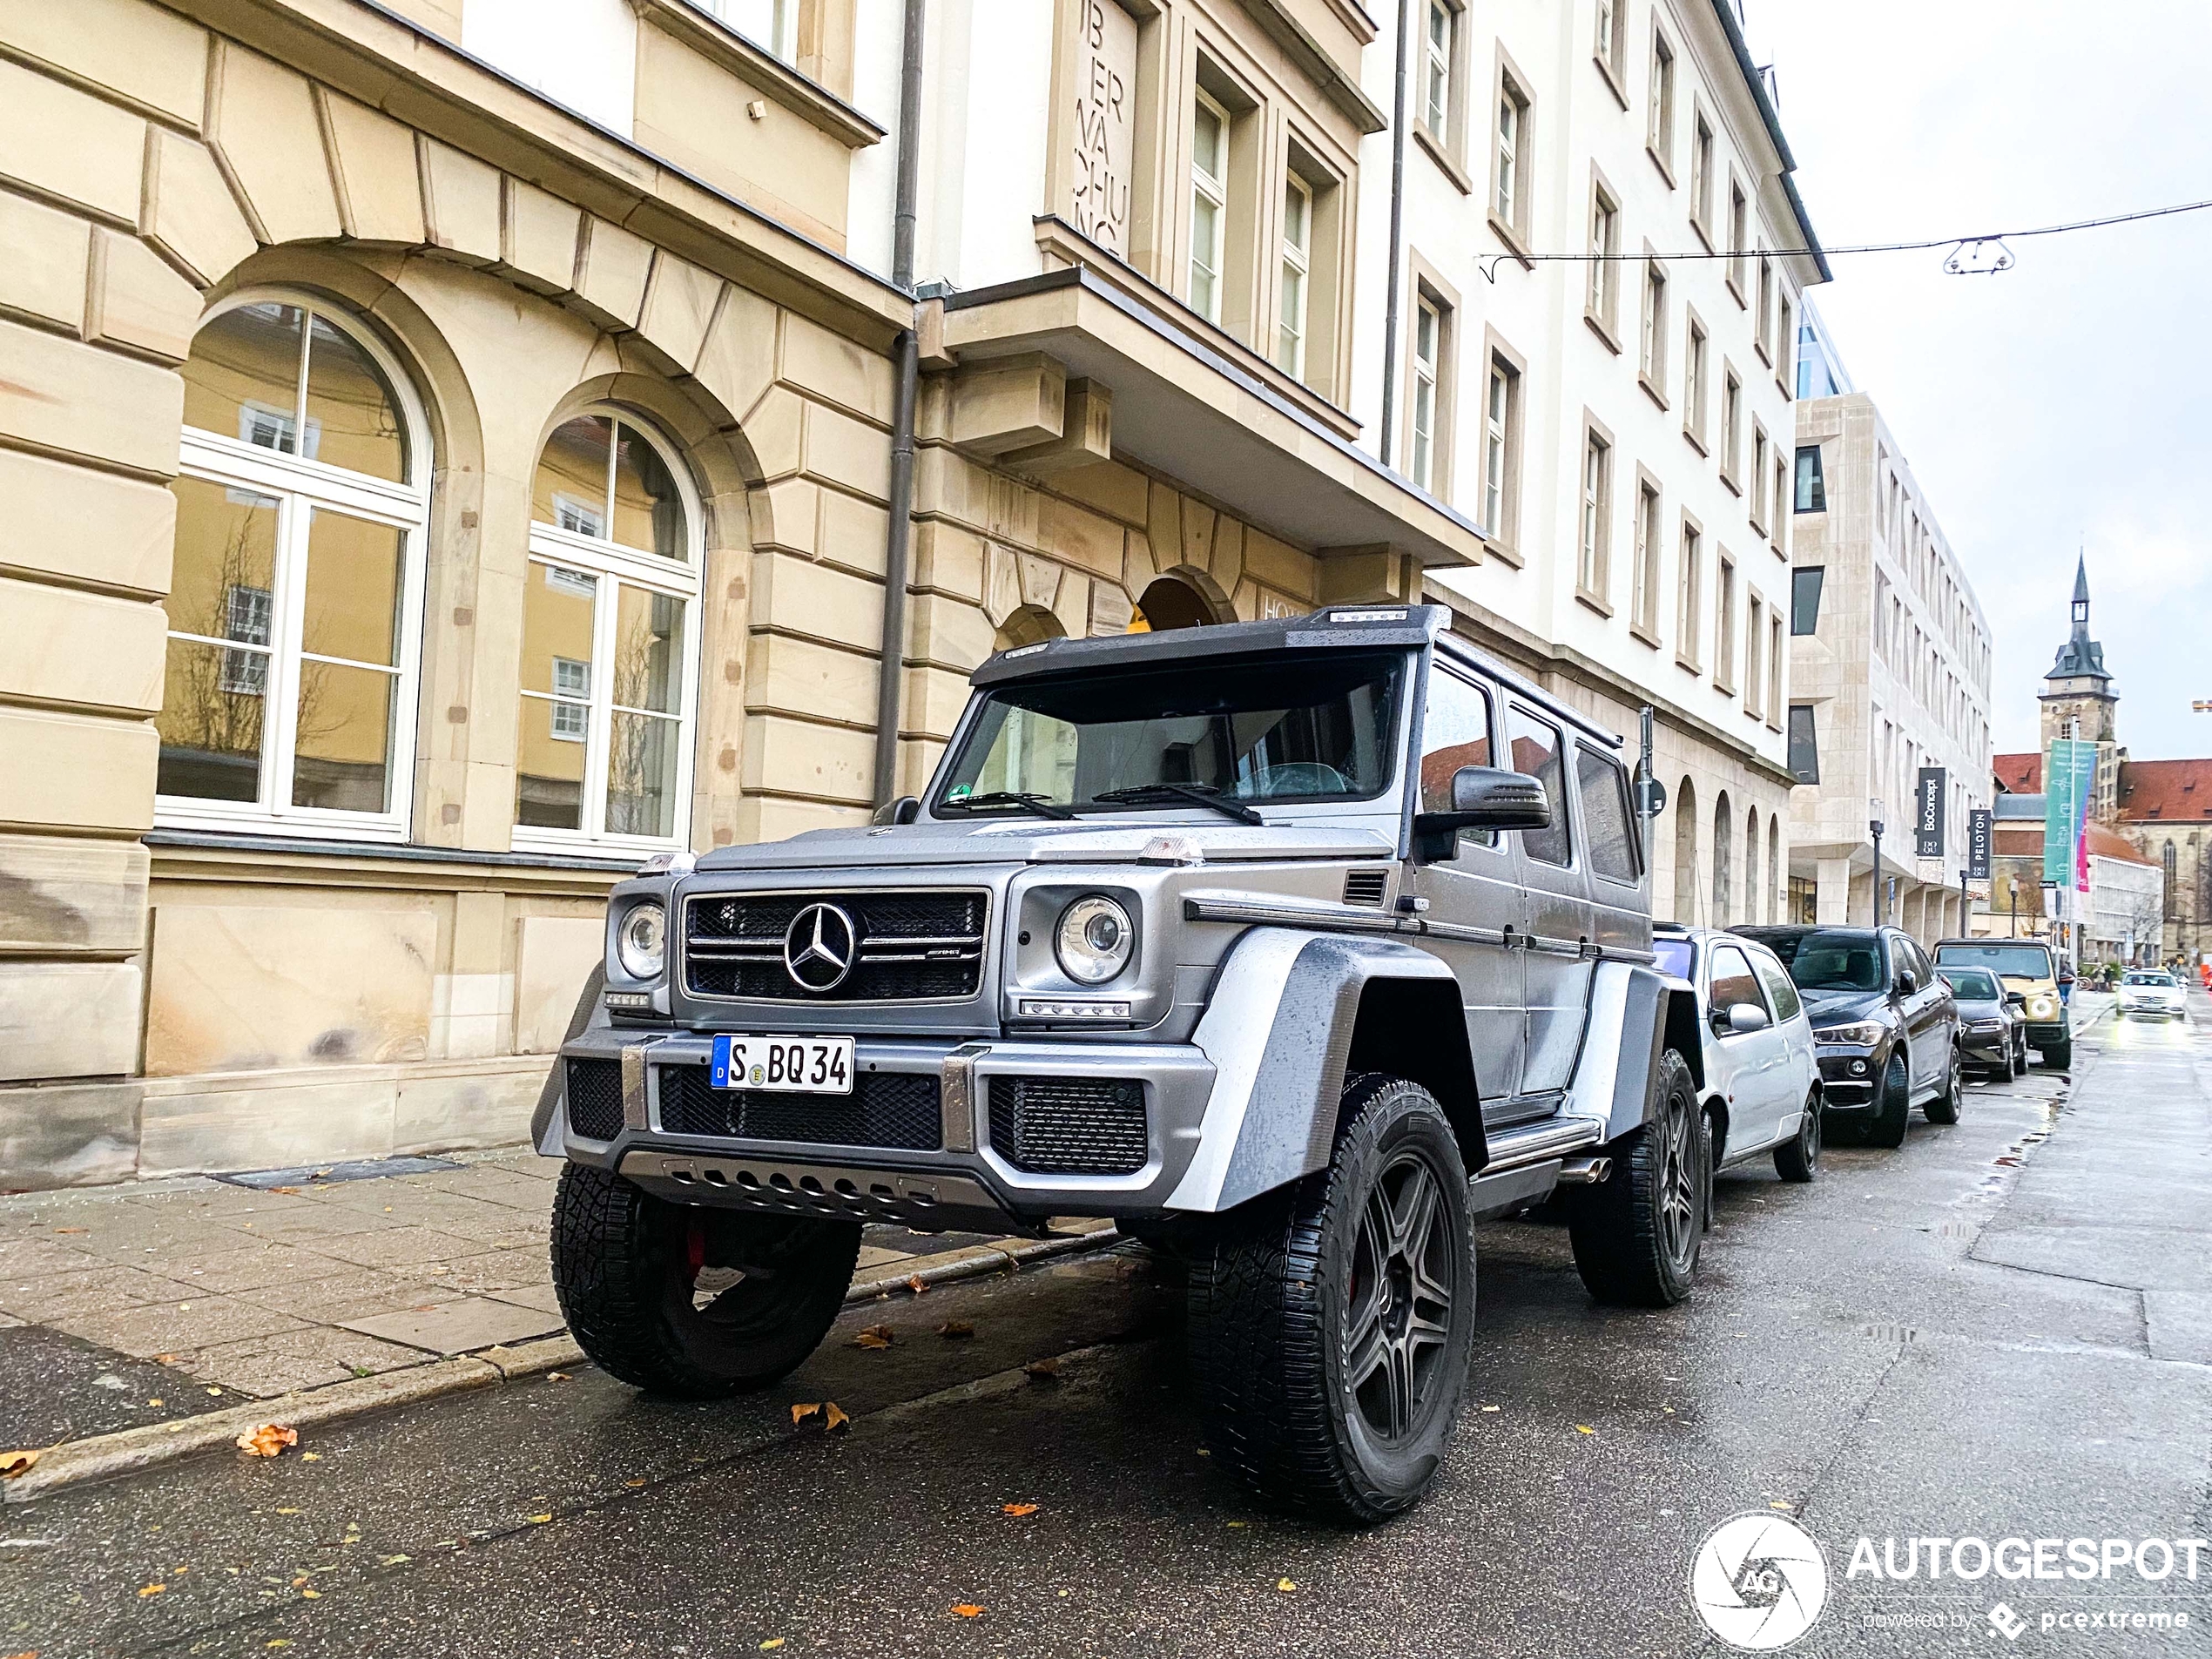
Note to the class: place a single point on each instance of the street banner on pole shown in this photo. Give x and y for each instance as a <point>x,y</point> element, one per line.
<point>1979,830</point>
<point>1927,813</point>
<point>2068,770</point>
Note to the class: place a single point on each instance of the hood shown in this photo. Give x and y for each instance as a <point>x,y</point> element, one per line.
<point>1839,1007</point>
<point>1037,840</point>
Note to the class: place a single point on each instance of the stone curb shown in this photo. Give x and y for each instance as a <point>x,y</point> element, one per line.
<point>131,1450</point>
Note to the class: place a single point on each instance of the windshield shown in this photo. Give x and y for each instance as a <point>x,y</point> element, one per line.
<point>2016,962</point>
<point>1675,955</point>
<point>1295,726</point>
<point>2148,979</point>
<point>1975,984</point>
<point>1828,960</point>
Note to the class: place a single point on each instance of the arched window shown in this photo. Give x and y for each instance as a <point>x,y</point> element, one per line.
<point>1175,601</point>
<point>609,640</point>
<point>1752,866</point>
<point>1686,851</point>
<point>1028,626</point>
<point>296,595</point>
<point>1723,857</point>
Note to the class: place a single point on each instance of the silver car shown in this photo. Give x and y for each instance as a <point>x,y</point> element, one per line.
<point>1761,1090</point>
<point>1296,946</point>
<point>2152,993</point>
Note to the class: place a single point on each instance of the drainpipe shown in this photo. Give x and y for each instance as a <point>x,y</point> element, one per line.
<point>897,543</point>
<point>1397,232</point>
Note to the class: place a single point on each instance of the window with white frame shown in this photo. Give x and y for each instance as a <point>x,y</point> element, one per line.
<point>1609,43</point>
<point>1428,357</point>
<point>1693,385</point>
<point>1652,351</point>
<point>1509,193</point>
<point>1209,203</point>
<point>772,25</point>
<point>1437,45</point>
<point>1604,246</point>
<point>1686,597</point>
<point>1724,625</point>
<point>1754,639</point>
<point>1731,423</point>
<point>610,641</point>
<point>1590,574</point>
<point>296,599</point>
<point>1739,216</point>
<point>1298,260</point>
<point>1701,176</point>
<point>1659,119</point>
<point>1644,609</point>
<point>1763,325</point>
<point>1501,450</point>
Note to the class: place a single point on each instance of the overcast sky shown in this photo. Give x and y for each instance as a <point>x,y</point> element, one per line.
<point>2068,401</point>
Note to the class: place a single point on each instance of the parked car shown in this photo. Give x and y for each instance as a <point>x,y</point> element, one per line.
<point>1761,1088</point>
<point>1993,1030</point>
<point>2145,992</point>
<point>1299,945</point>
<point>2026,965</point>
<point>1885,1023</point>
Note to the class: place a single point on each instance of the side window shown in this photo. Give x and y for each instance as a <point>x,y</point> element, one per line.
<point>1538,751</point>
<point>1606,822</point>
<point>1733,982</point>
<point>1779,991</point>
<point>1456,733</point>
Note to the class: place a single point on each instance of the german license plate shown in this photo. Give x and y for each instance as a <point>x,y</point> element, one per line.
<point>783,1065</point>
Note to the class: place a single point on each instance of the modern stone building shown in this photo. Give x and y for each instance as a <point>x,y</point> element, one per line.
<point>458,449</point>
<point>1889,672</point>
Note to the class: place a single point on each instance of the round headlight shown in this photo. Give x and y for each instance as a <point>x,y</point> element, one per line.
<point>642,941</point>
<point>1094,939</point>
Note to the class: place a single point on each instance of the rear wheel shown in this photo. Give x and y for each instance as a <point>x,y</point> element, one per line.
<point>1887,1126</point>
<point>1945,1107</point>
<point>1331,1322</point>
<point>1636,1234</point>
<point>692,1302</point>
<point>1799,1159</point>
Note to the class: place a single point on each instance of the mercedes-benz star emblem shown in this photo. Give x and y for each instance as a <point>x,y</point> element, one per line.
<point>819,948</point>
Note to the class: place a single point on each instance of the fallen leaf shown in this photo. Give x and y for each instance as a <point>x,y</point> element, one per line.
<point>968,1610</point>
<point>278,1641</point>
<point>15,1463</point>
<point>320,1175</point>
<point>634,1483</point>
<point>1581,1428</point>
<point>955,1330</point>
<point>876,1336</point>
<point>556,1376</point>
<point>72,1229</point>
<point>800,1414</point>
<point>145,1590</point>
<point>267,1440</point>
<point>1240,1523</point>
<point>1017,1509</point>
<point>310,1457</point>
<point>1042,1370</point>
<point>300,1583</point>
<point>539,1520</point>
<point>156,1402</point>
<point>834,1419</point>
<point>287,1512</point>
<point>771,1645</point>
<point>291,1191</point>
<point>914,1284</point>
<point>311,1596</point>
<point>164,1359</point>
<point>214,1390</point>
<point>1287,1585</point>
<point>1785,1508</point>
<point>1490,1408</point>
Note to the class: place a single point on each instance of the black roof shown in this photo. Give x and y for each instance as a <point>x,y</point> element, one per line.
<point>1402,627</point>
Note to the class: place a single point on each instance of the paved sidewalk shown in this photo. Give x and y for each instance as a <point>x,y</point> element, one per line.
<point>122,1307</point>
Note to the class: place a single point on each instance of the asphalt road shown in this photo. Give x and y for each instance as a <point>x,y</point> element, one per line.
<point>2003,1329</point>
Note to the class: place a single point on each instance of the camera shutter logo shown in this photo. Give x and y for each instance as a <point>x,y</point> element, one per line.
<point>1758,1581</point>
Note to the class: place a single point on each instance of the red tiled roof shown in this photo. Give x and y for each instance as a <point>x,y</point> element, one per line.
<point>2166,790</point>
<point>2110,843</point>
<point>2019,774</point>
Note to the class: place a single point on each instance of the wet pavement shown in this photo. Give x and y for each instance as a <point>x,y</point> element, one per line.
<point>2001,1329</point>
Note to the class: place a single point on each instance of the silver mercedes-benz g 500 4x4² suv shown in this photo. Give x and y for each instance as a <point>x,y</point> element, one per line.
<point>1297,946</point>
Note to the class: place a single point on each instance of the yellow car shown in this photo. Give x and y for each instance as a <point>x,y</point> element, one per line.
<point>2029,972</point>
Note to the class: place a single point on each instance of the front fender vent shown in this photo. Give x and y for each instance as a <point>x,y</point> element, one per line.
<point>1365,887</point>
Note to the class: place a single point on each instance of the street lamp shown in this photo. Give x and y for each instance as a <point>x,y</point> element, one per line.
<point>1874,824</point>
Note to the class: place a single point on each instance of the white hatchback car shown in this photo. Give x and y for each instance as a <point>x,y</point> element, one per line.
<point>1762,1078</point>
<point>2152,990</point>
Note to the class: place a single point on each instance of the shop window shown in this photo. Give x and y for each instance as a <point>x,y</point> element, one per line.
<point>296,599</point>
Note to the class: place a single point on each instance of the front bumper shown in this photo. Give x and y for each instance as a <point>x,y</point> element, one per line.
<point>964,1181</point>
<point>1993,1048</point>
<point>2170,1009</point>
<point>1850,1076</point>
<point>2043,1034</point>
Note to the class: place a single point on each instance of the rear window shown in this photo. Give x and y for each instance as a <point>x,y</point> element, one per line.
<point>1975,984</point>
<point>1606,819</point>
<point>2016,961</point>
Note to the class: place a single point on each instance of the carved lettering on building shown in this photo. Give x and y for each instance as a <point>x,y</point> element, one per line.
<point>1105,94</point>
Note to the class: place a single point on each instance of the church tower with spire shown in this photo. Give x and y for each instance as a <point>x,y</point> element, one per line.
<point>2078,688</point>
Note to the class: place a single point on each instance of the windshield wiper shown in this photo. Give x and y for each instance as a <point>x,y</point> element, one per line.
<point>1043,805</point>
<point>1197,795</point>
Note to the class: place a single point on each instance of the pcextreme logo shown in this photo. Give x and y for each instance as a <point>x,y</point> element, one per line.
<point>1758,1581</point>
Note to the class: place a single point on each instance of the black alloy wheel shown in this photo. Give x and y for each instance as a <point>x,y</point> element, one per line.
<point>1946,1107</point>
<point>1798,1159</point>
<point>1894,1101</point>
<point>1398,1324</point>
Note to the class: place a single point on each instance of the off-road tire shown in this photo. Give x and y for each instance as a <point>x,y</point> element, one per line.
<point>1274,1321</point>
<point>1886,1127</point>
<point>1636,1234</point>
<point>2059,1057</point>
<point>625,1266</point>
<point>1798,1159</point>
<point>1946,1107</point>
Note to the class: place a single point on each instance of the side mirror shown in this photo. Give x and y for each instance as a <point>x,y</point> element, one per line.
<point>1482,798</point>
<point>904,810</point>
<point>2016,999</point>
<point>1907,981</point>
<point>1743,1017</point>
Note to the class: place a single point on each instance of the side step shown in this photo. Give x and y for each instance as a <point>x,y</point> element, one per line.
<point>1527,1161</point>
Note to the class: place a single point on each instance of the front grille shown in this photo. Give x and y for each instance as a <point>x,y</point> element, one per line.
<point>594,1089</point>
<point>1069,1125</point>
<point>897,1110</point>
<point>911,946</point>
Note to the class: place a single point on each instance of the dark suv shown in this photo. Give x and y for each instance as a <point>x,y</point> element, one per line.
<point>1886,1022</point>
